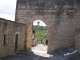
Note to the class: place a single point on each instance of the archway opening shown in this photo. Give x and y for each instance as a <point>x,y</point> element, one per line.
<point>39,36</point>
<point>40,32</point>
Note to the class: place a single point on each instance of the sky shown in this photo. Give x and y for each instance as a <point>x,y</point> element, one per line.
<point>41,23</point>
<point>8,8</point>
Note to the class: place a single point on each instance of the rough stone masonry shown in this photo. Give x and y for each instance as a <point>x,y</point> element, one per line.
<point>12,37</point>
<point>62,18</point>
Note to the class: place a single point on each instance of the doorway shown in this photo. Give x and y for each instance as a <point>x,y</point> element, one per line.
<point>16,42</point>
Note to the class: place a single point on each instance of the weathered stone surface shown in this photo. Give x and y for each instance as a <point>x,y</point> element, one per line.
<point>9,29</point>
<point>60,16</point>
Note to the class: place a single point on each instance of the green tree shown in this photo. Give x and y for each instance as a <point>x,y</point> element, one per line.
<point>41,31</point>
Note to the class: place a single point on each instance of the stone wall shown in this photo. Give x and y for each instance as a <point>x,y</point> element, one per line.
<point>34,38</point>
<point>77,35</point>
<point>60,17</point>
<point>8,31</point>
<point>77,41</point>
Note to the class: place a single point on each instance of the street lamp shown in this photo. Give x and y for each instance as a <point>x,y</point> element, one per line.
<point>38,23</point>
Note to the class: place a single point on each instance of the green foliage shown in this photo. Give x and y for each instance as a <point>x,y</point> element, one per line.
<point>41,31</point>
<point>39,27</point>
<point>40,34</point>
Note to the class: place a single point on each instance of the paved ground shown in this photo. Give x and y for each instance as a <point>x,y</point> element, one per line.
<point>39,52</point>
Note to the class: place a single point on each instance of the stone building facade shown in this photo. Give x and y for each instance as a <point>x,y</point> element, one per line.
<point>12,37</point>
<point>46,40</point>
<point>34,38</point>
<point>77,36</point>
<point>60,16</point>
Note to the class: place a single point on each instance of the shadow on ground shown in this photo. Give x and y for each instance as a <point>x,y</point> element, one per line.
<point>25,55</point>
<point>40,54</point>
<point>67,54</point>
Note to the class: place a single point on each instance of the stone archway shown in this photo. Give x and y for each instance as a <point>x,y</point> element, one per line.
<point>29,29</point>
<point>59,16</point>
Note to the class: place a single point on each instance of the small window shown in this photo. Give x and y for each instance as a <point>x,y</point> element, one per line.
<point>4,41</point>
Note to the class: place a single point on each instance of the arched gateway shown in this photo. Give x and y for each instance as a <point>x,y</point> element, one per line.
<point>60,16</point>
